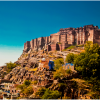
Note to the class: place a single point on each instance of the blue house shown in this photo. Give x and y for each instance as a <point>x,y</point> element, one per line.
<point>51,65</point>
<point>68,66</point>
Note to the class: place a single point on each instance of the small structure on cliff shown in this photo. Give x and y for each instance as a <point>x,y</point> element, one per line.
<point>43,64</point>
<point>51,65</point>
<point>68,66</point>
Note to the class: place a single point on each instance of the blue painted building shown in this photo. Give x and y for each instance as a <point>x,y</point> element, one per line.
<point>68,66</point>
<point>51,65</point>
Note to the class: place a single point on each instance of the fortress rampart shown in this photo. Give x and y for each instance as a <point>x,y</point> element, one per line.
<point>64,38</point>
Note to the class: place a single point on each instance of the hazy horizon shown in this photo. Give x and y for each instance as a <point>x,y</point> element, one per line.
<point>8,54</point>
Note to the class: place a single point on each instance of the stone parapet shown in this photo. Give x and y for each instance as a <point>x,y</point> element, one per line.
<point>70,36</point>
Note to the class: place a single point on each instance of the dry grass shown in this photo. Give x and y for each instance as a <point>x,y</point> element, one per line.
<point>82,84</point>
<point>35,69</point>
<point>26,68</point>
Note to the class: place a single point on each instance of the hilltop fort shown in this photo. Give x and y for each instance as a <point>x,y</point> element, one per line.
<point>50,70</point>
<point>64,38</point>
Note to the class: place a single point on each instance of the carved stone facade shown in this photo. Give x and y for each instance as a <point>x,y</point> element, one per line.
<point>65,37</point>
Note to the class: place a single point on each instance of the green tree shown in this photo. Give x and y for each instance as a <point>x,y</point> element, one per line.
<point>21,87</point>
<point>49,94</point>
<point>70,57</point>
<point>88,64</point>
<point>58,63</point>
<point>69,71</point>
<point>92,48</point>
<point>60,73</point>
<point>10,66</point>
<point>26,88</point>
<point>35,82</point>
<point>95,84</point>
<point>27,82</point>
<point>88,45</point>
<point>40,92</point>
<point>28,91</point>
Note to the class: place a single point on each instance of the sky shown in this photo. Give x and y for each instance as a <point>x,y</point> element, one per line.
<point>22,21</point>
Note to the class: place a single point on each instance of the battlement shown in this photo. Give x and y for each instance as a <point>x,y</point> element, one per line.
<point>70,36</point>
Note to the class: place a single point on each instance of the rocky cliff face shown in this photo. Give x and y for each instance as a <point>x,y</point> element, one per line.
<point>27,69</point>
<point>2,72</point>
<point>28,62</point>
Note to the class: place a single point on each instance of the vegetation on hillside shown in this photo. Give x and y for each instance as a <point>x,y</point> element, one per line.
<point>70,57</point>
<point>45,93</point>
<point>26,88</point>
<point>71,47</point>
<point>40,92</point>
<point>10,66</point>
<point>61,73</point>
<point>49,94</point>
<point>58,63</point>
<point>88,64</point>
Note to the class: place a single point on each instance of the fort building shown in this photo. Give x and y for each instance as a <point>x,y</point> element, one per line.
<point>65,38</point>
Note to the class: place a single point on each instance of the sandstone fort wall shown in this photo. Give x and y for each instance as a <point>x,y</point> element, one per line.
<point>66,37</point>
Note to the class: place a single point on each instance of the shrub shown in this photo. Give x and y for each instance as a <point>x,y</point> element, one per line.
<point>28,90</point>
<point>71,57</point>
<point>60,73</point>
<point>58,63</point>
<point>40,92</point>
<point>68,71</point>
<point>10,66</point>
<point>61,85</point>
<point>49,94</point>
<point>71,47</point>
<point>27,82</point>
<point>35,82</point>
<point>82,45</point>
<point>25,88</point>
